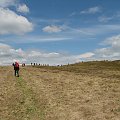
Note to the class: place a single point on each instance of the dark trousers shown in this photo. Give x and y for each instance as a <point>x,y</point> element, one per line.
<point>17,73</point>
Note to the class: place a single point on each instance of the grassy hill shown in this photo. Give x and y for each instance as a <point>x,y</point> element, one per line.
<point>82,91</point>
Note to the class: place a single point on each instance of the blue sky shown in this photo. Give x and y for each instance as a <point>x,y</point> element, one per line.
<point>59,31</point>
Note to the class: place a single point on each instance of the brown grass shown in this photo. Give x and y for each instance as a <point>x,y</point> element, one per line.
<point>83,91</point>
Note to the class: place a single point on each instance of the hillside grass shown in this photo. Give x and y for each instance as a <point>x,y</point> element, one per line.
<point>82,91</point>
<point>86,66</point>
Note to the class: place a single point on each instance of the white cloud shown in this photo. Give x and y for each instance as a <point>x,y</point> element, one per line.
<point>4,46</point>
<point>56,58</point>
<point>105,18</point>
<point>73,14</point>
<point>113,41</point>
<point>23,8</point>
<point>100,29</point>
<point>11,23</point>
<point>110,52</point>
<point>52,29</point>
<point>20,7</point>
<point>115,17</point>
<point>6,3</point>
<point>91,10</point>
<point>68,33</point>
<point>34,38</point>
<point>88,32</point>
<point>86,55</point>
<point>8,55</point>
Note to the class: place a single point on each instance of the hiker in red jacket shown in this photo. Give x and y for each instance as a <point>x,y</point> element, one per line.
<point>16,68</point>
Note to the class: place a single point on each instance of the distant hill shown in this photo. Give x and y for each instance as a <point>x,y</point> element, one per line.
<point>87,66</point>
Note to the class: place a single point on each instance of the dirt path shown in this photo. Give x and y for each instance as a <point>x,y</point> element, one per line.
<point>40,94</point>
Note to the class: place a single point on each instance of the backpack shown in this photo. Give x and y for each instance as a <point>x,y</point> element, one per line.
<point>16,64</point>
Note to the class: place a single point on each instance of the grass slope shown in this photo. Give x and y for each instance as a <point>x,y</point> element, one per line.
<point>83,91</point>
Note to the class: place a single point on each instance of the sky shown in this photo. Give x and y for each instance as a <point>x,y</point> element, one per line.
<point>59,31</point>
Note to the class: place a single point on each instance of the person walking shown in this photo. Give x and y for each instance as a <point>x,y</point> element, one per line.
<point>16,69</point>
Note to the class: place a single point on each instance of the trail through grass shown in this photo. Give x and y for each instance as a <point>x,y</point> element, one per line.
<point>30,108</point>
